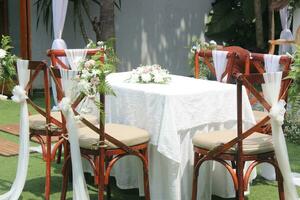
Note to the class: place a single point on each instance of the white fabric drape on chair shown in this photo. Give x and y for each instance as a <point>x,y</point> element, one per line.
<point>286,32</point>
<point>271,91</point>
<point>19,96</point>
<point>271,65</point>
<point>80,191</point>
<point>75,56</point>
<point>59,11</point>
<point>220,62</point>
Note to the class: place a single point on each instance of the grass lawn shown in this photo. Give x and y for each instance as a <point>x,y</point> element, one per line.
<point>34,188</point>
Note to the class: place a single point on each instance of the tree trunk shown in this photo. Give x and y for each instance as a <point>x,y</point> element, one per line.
<point>258,24</point>
<point>107,20</point>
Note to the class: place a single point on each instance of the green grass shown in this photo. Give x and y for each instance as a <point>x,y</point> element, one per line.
<point>34,188</point>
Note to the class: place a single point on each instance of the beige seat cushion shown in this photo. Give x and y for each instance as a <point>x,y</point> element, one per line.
<point>254,144</point>
<point>259,115</point>
<point>128,135</point>
<point>38,121</point>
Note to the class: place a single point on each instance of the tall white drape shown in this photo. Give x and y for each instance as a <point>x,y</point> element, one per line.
<point>19,96</point>
<point>286,33</point>
<point>220,62</point>
<point>271,90</point>
<point>80,191</point>
<point>59,11</point>
<point>75,56</point>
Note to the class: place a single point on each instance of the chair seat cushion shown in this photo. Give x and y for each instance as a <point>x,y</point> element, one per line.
<point>259,115</point>
<point>38,121</point>
<point>128,135</point>
<point>254,144</point>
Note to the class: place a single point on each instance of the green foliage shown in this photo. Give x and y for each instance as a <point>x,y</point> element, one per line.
<point>292,128</point>
<point>294,91</point>
<point>233,21</point>
<point>7,61</point>
<point>197,45</point>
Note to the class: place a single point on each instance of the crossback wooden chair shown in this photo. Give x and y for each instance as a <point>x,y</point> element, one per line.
<point>45,125</point>
<point>207,58</point>
<point>240,146</point>
<point>104,144</point>
<point>255,64</point>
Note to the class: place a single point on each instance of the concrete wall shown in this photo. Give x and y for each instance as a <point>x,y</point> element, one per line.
<point>147,32</point>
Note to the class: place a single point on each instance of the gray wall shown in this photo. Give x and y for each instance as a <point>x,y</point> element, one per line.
<point>147,32</point>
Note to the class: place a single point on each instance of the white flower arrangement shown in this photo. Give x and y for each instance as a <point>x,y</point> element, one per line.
<point>150,74</point>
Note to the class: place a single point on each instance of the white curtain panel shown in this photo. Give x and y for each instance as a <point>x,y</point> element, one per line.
<point>59,11</point>
<point>80,191</point>
<point>220,62</point>
<point>286,33</point>
<point>272,63</point>
<point>19,96</point>
<point>271,90</point>
<point>75,56</point>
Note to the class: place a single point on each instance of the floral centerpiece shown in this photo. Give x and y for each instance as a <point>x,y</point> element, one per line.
<point>94,69</point>
<point>7,65</point>
<point>198,45</point>
<point>150,74</point>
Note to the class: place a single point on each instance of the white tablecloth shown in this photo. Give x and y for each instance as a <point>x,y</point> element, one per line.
<point>172,113</point>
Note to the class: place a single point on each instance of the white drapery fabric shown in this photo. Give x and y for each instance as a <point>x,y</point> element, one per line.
<point>220,62</point>
<point>286,33</point>
<point>59,11</point>
<point>271,90</point>
<point>80,191</point>
<point>272,63</point>
<point>75,56</point>
<point>19,96</point>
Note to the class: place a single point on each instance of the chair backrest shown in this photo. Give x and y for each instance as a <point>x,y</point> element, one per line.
<point>207,58</point>
<point>250,82</point>
<point>37,67</point>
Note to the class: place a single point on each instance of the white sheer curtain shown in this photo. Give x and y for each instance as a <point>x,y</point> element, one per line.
<point>80,191</point>
<point>271,90</point>
<point>220,62</point>
<point>19,96</point>
<point>75,56</point>
<point>59,11</point>
<point>286,32</point>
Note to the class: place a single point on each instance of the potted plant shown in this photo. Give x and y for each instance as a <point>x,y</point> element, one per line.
<point>7,67</point>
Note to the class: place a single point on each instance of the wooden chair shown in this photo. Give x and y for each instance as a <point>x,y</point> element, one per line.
<point>104,146</point>
<point>255,64</point>
<point>45,125</point>
<point>239,146</point>
<point>206,57</point>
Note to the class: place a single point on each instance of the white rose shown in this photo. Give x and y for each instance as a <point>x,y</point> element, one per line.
<point>85,74</point>
<point>158,78</point>
<point>134,78</point>
<point>100,43</point>
<point>146,77</point>
<point>83,86</point>
<point>2,53</point>
<point>213,43</point>
<point>89,63</point>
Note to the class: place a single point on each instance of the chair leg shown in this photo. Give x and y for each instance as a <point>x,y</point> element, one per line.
<point>48,168</point>
<point>58,160</point>
<point>240,174</point>
<point>280,183</point>
<point>108,188</point>
<point>146,175</point>
<point>101,170</point>
<point>65,173</point>
<point>195,176</point>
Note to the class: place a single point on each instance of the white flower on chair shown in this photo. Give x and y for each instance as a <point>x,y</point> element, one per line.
<point>2,53</point>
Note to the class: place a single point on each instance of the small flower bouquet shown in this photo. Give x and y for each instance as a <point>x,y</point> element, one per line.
<point>150,74</point>
<point>7,65</point>
<point>93,70</point>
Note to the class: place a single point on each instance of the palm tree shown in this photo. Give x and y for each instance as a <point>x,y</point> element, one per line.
<point>103,23</point>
